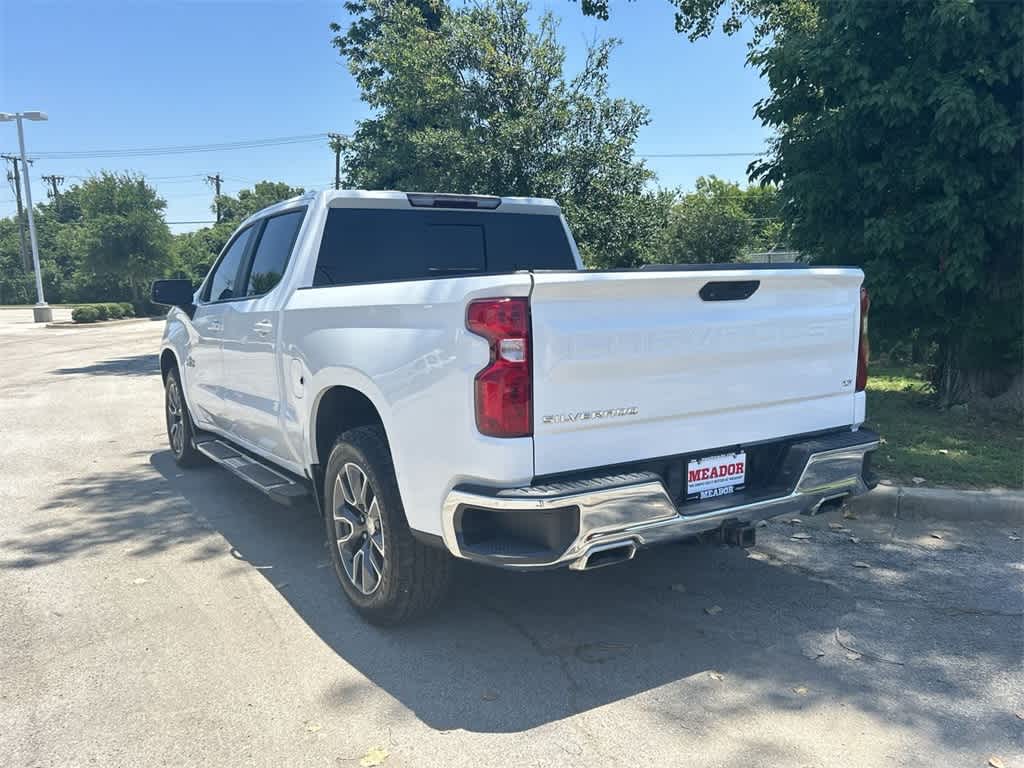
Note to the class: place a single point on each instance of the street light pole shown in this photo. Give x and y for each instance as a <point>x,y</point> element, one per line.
<point>41,312</point>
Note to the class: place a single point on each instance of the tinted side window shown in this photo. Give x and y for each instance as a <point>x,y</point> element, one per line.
<point>272,252</point>
<point>370,245</point>
<point>221,284</point>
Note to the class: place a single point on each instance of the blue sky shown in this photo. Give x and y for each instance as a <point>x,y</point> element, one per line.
<point>116,75</point>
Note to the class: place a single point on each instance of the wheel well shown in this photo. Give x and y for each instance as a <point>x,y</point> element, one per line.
<point>341,409</point>
<point>168,362</point>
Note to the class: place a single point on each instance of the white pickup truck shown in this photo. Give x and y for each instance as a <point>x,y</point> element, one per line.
<point>446,381</point>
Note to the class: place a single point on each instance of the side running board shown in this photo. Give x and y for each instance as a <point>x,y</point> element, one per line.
<point>277,484</point>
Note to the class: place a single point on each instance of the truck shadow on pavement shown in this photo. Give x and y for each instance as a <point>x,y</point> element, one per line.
<point>705,637</point>
<point>136,365</point>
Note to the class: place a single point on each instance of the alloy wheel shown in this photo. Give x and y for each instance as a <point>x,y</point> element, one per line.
<point>358,529</point>
<point>175,423</point>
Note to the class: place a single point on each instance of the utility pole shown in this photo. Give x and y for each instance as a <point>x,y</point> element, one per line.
<point>41,312</point>
<point>14,177</point>
<point>54,182</point>
<point>336,143</point>
<point>216,181</point>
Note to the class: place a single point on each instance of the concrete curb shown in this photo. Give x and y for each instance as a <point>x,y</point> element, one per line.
<point>99,323</point>
<point>996,506</point>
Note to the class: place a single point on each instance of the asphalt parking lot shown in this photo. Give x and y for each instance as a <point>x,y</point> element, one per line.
<point>150,617</point>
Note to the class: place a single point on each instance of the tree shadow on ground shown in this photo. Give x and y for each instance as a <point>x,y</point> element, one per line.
<point>934,628</point>
<point>137,365</point>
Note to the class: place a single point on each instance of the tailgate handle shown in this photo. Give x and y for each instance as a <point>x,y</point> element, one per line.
<point>729,290</point>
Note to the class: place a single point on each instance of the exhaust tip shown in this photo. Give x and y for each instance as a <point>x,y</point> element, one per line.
<point>607,554</point>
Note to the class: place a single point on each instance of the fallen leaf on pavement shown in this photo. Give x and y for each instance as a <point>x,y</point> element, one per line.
<point>375,756</point>
<point>995,762</point>
<point>489,696</point>
<point>1014,538</point>
<point>139,581</point>
<point>853,656</point>
<point>918,480</point>
<point>757,555</point>
<point>854,540</point>
<point>837,526</point>
<point>713,610</point>
<point>796,521</point>
<point>813,654</point>
<point>849,514</point>
<point>313,727</point>
<point>936,535</point>
<point>800,690</point>
<point>714,674</point>
<point>860,564</point>
<point>800,536</point>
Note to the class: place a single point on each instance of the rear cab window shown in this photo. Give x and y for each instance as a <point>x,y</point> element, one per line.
<point>367,245</point>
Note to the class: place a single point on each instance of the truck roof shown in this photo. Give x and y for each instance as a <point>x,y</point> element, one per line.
<point>363,198</point>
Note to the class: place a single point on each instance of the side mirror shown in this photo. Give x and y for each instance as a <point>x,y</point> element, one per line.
<point>176,293</point>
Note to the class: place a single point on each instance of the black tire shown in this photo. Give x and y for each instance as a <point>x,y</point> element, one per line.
<point>180,432</point>
<point>395,578</point>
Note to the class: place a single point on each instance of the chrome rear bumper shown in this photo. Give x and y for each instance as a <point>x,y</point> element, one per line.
<point>637,509</point>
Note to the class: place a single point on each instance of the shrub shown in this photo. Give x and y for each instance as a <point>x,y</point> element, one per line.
<point>101,310</point>
<point>114,311</point>
<point>127,309</point>
<point>85,314</point>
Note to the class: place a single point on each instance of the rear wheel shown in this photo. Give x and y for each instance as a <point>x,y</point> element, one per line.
<point>387,574</point>
<point>180,433</point>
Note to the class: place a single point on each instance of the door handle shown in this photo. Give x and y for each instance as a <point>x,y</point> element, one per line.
<point>263,327</point>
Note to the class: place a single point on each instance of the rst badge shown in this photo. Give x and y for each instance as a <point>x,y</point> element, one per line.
<point>716,475</point>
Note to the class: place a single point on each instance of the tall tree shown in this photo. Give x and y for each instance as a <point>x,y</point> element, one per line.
<point>472,99</point>
<point>898,145</point>
<point>122,236</point>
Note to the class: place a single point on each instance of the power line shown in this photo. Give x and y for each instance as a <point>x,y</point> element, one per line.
<point>85,154</point>
<point>666,155</point>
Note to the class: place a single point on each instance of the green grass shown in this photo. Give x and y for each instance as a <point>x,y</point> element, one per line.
<point>964,450</point>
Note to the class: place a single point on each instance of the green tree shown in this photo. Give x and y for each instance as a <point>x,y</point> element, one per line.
<point>16,283</point>
<point>195,252</point>
<point>472,99</point>
<point>121,237</point>
<point>898,143</point>
<point>720,222</point>
<point>249,201</point>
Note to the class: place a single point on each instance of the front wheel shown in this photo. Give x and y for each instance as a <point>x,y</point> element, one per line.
<point>387,575</point>
<point>179,424</point>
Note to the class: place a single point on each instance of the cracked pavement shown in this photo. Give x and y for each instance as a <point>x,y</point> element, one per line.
<point>150,616</point>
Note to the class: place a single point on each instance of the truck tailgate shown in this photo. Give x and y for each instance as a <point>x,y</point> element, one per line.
<point>637,365</point>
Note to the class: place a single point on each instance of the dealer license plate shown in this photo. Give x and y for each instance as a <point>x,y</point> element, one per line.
<point>716,475</point>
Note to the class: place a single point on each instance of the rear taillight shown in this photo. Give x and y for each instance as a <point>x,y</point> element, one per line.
<point>503,390</point>
<point>862,348</point>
